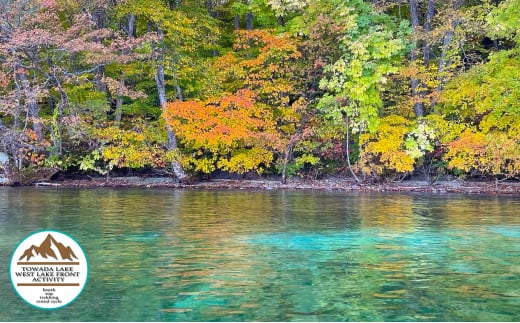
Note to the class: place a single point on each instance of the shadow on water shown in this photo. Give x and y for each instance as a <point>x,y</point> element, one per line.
<point>184,255</point>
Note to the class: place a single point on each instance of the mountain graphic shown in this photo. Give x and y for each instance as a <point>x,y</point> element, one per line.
<point>46,250</point>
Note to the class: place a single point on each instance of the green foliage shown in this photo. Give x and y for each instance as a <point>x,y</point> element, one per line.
<point>504,21</point>
<point>85,96</point>
<point>488,95</point>
<point>90,162</point>
<point>299,163</point>
<point>263,16</point>
<point>188,37</point>
<point>372,47</point>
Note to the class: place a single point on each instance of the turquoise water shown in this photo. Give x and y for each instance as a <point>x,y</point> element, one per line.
<point>183,255</point>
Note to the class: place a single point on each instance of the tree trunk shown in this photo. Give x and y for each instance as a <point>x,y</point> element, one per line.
<point>161,91</point>
<point>286,159</point>
<point>418,106</point>
<point>294,139</point>
<point>495,41</point>
<point>160,83</point>
<point>4,151</point>
<point>209,6</point>
<point>99,17</point>
<point>34,114</point>
<point>444,61</point>
<point>237,22</point>
<point>33,110</point>
<point>174,4</point>
<point>213,14</point>
<point>10,146</point>
<point>347,147</point>
<point>177,86</point>
<point>280,21</point>
<point>430,11</point>
<point>249,18</point>
<point>98,79</point>
<point>249,21</point>
<point>119,112</point>
<point>64,102</point>
<point>131,31</point>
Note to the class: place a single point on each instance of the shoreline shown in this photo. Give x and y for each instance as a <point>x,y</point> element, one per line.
<point>327,184</point>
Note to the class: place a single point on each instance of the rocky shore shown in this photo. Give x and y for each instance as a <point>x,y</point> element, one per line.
<point>336,184</point>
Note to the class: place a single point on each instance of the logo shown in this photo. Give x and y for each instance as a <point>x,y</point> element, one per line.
<point>48,269</point>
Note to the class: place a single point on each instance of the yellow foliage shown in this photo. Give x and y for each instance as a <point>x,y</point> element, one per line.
<point>383,152</point>
<point>445,131</point>
<point>137,147</point>
<point>205,164</point>
<point>244,160</point>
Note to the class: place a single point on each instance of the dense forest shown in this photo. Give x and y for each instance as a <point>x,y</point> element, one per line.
<point>376,90</point>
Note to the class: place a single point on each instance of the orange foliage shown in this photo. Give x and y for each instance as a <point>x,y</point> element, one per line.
<point>272,67</point>
<point>219,128</point>
<point>495,153</point>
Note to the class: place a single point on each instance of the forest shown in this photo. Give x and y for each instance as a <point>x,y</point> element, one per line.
<point>377,90</point>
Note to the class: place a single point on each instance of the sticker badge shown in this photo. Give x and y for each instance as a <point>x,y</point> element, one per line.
<point>48,269</point>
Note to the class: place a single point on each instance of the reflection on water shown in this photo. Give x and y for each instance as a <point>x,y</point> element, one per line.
<point>182,255</point>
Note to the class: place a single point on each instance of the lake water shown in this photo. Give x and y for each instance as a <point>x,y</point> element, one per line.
<point>187,255</point>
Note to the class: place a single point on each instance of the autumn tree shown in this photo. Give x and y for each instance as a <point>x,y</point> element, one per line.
<point>486,100</point>
<point>231,133</point>
<point>273,67</point>
<point>50,50</point>
<point>180,30</point>
<point>372,46</point>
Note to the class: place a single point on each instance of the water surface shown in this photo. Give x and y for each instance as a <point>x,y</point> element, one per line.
<point>185,255</point>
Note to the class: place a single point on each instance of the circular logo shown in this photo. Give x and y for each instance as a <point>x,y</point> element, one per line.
<point>48,269</point>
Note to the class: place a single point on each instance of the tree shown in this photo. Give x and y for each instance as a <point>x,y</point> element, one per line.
<point>47,48</point>
<point>179,31</point>
<point>486,99</point>
<point>371,48</point>
<point>503,21</point>
<point>231,133</point>
<point>273,67</point>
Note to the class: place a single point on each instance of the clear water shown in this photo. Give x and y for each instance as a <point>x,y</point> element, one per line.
<point>182,255</point>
